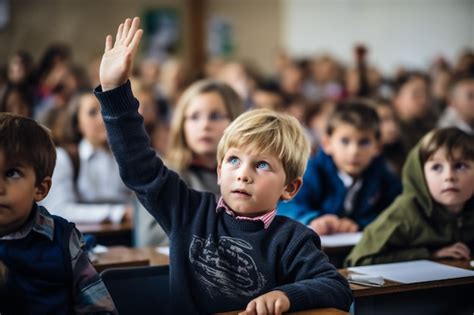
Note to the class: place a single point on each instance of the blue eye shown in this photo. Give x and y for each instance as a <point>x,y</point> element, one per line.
<point>263,165</point>
<point>460,166</point>
<point>233,160</point>
<point>436,167</point>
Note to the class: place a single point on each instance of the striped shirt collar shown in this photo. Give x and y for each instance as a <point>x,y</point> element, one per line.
<point>40,222</point>
<point>265,218</point>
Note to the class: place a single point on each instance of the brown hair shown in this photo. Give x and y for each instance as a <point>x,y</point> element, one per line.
<point>450,139</point>
<point>24,140</point>
<point>357,114</point>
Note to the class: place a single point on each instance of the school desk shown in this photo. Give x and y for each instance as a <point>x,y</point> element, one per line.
<point>319,311</point>
<point>108,233</point>
<point>121,256</point>
<point>450,296</point>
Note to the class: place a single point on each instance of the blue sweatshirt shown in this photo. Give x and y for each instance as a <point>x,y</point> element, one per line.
<point>217,263</point>
<point>323,192</point>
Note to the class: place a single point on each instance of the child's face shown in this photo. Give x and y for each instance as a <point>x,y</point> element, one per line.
<point>90,121</point>
<point>389,129</point>
<point>463,100</point>
<point>351,149</point>
<point>252,184</point>
<point>451,183</point>
<point>412,100</point>
<point>18,191</point>
<point>205,120</point>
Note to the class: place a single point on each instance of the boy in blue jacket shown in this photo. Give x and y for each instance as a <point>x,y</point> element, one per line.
<point>346,184</point>
<point>233,254</point>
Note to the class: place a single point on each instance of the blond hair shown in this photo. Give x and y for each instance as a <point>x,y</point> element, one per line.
<point>179,155</point>
<point>264,131</point>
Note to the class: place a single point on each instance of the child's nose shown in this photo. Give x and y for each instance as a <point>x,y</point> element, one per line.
<point>450,175</point>
<point>244,176</point>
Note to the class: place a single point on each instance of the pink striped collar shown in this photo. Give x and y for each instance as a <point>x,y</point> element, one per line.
<point>266,218</point>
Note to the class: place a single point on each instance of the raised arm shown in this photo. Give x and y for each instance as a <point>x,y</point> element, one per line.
<point>117,61</point>
<point>159,189</point>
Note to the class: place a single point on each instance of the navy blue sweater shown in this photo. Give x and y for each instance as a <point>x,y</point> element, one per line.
<point>323,192</point>
<point>217,263</point>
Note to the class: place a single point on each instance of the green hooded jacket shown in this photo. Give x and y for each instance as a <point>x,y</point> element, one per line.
<point>414,225</point>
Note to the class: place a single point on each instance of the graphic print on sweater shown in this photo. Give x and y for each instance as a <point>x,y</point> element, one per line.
<point>226,268</point>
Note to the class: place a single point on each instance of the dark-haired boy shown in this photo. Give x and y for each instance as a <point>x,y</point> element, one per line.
<point>48,271</point>
<point>346,184</point>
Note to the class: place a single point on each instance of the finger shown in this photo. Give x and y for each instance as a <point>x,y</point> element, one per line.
<point>136,41</point>
<point>126,28</point>
<point>462,246</point>
<point>270,306</point>
<point>129,36</point>
<point>108,43</point>
<point>251,307</point>
<point>118,37</point>
<point>278,307</point>
<point>261,308</point>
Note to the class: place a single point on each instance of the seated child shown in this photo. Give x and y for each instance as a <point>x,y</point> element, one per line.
<point>48,271</point>
<point>346,185</point>
<point>460,112</point>
<point>233,254</point>
<point>434,216</point>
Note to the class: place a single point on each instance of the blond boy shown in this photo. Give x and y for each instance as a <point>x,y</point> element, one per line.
<point>236,254</point>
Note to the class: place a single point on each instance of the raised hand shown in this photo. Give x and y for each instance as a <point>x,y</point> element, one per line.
<point>117,61</point>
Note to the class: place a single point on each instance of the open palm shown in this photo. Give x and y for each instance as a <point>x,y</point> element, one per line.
<point>117,61</point>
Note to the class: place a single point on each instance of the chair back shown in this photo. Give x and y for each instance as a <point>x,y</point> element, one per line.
<point>139,290</point>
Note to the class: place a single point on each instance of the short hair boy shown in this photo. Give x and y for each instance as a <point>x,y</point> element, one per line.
<point>48,271</point>
<point>434,216</point>
<point>346,184</point>
<point>460,112</point>
<point>234,254</point>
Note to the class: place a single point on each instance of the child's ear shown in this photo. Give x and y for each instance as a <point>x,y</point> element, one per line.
<point>291,189</point>
<point>219,167</point>
<point>42,189</point>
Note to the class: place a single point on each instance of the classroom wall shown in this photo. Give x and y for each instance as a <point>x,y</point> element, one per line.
<point>256,26</point>
<point>82,24</point>
<point>408,32</point>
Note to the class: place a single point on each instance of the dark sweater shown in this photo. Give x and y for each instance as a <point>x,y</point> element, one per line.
<point>217,263</point>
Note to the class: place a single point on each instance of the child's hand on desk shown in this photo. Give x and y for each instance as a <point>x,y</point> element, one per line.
<point>346,225</point>
<point>326,224</point>
<point>117,61</point>
<point>458,251</point>
<point>274,302</point>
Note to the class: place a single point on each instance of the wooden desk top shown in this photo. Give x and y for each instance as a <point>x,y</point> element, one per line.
<point>320,311</point>
<point>396,287</point>
<point>106,228</point>
<point>121,256</point>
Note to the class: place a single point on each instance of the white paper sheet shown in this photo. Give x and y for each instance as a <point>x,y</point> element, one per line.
<point>414,271</point>
<point>341,239</point>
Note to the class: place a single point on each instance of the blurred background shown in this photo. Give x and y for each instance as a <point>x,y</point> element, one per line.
<point>409,33</point>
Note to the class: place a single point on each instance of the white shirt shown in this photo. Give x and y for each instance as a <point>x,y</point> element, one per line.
<point>100,195</point>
